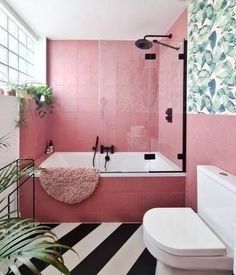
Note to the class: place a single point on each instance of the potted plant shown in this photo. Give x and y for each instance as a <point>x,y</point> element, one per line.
<point>1,91</point>
<point>40,93</point>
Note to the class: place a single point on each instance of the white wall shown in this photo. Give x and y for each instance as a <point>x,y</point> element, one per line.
<point>40,71</point>
<point>8,117</point>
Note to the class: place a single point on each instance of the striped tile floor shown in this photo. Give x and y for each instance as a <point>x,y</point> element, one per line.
<point>104,249</point>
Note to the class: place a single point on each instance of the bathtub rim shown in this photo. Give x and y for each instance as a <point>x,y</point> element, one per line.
<point>174,173</point>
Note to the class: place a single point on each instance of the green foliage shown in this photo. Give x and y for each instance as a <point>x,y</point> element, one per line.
<point>42,95</point>
<point>211,57</point>
<point>3,141</point>
<point>22,240</point>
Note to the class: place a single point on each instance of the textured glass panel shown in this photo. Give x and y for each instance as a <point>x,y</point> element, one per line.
<point>3,37</point>
<point>3,20</point>
<point>12,28</point>
<point>13,76</point>
<point>22,65</point>
<point>3,55</point>
<point>22,37</point>
<point>30,44</point>
<point>22,78</point>
<point>13,44</point>
<point>22,51</point>
<point>29,78</point>
<point>4,85</point>
<point>3,72</point>
<point>30,69</point>
<point>13,60</point>
<point>30,56</point>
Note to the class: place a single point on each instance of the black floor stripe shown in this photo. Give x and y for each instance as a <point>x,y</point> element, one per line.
<point>105,251</point>
<point>145,265</point>
<point>70,239</point>
<point>51,225</point>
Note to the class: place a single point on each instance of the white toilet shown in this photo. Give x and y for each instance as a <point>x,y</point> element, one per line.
<point>186,243</point>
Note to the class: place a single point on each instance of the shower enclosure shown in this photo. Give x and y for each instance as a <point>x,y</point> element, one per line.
<point>131,98</point>
<point>142,95</point>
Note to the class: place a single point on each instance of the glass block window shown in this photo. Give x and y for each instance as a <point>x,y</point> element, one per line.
<point>16,53</point>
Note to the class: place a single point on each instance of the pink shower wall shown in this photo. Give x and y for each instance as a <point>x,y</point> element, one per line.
<point>104,88</point>
<point>171,92</point>
<point>211,141</point>
<point>129,96</point>
<point>73,76</point>
<point>34,136</point>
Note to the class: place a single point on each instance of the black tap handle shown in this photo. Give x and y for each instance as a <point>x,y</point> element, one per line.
<point>101,149</point>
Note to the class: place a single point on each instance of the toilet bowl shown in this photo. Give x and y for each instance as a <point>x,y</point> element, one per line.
<point>186,243</point>
<point>183,244</point>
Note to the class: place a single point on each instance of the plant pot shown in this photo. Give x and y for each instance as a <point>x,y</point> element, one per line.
<point>11,93</point>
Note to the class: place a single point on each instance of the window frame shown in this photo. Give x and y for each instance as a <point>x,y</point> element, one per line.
<point>28,58</point>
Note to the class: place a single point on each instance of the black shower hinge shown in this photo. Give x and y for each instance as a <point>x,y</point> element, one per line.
<point>180,156</point>
<point>181,56</point>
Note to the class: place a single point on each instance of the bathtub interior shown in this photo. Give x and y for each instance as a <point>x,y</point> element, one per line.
<point>120,162</point>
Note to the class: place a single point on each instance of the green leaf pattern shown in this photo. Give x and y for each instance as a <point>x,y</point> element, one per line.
<point>212,57</point>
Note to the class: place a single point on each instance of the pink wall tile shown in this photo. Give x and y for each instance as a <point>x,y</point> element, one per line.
<point>111,90</point>
<point>115,199</point>
<point>34,136</point>
<point>211,141</point>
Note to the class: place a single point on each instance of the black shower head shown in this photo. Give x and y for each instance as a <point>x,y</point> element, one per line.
<point>146,44</point>
<point>143,44</point>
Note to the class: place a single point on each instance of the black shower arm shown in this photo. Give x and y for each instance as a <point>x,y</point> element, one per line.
<point>166,45</point>
<point>159,35</point>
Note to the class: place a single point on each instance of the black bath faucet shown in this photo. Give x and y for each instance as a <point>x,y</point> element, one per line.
<point>107,149</point>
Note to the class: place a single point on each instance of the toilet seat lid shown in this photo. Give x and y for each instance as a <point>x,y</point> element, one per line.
<point>179,231</point>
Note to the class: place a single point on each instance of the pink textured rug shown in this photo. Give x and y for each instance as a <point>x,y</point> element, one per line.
<point>69,185</point>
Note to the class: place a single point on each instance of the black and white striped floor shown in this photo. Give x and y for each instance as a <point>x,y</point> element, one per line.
<point>104,249</point>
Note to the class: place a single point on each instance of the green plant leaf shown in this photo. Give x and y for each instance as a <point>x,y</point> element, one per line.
<point>203,73</point>
<point>209,11</point>
<point>208,103</point>
<point>22,240</point>
<point>231,107</point>
<point>220,5</point>
<point>208,57</point>
<point>212,39</point>
<point>217,105</point>
<point>222,57</point>
<point>204,30</point>
<point>212,87</point>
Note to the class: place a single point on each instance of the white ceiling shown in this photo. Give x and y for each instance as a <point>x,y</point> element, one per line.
<point>98,19</point>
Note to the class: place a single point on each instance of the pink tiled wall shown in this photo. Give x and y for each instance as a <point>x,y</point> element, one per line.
<point>104,88</point>
<point>171,92</point>
<point>129,96</point>
<point>115,199</point>
<point>34,136</point>
<point>210,140</point>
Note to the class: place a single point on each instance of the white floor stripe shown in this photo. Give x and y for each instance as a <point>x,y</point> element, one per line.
<point>64,228</point>
<point>126,256</point>
<point>84,247</point>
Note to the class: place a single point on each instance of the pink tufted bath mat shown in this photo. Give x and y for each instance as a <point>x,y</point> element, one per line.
<point>69,185</point>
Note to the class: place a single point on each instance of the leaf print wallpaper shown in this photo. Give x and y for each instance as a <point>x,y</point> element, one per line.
<point>212,57</point>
